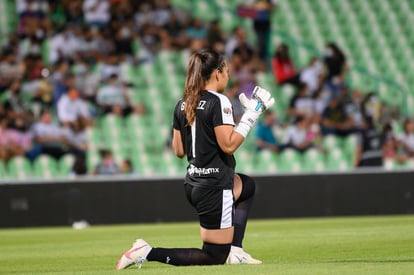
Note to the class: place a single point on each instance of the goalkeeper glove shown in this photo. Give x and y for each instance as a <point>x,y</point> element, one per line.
<point>260,101</point>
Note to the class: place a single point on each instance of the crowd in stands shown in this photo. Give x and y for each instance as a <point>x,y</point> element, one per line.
<point>325,105</point>
<point>61,69</point>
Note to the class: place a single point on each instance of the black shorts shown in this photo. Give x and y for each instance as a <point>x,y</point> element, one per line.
<point>215,207</point>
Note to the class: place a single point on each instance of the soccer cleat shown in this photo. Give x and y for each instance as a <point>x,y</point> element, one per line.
<point>238,256</point>
<point>136,255</point>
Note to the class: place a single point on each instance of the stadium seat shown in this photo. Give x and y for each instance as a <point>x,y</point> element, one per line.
<point>19,168</point>
<point>313,160</point>
<point>45,167</point>
<point>331,142</point>
<point>289,160</point>
<point>265,162</point>
<point>337,161</point>
<point>3,172</point>
<point>65,165</point>
<point>244,160</point>
<point>92,159</point>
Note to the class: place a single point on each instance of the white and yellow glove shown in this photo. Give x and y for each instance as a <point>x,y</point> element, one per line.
<point>260,101</point>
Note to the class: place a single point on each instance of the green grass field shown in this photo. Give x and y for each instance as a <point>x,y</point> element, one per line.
<point>357,245</point>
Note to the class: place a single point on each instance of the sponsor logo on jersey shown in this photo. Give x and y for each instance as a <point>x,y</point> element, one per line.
<point>192,170</point>
<point>227,110</point>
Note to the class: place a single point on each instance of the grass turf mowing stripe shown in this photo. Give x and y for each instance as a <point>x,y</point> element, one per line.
<point>351,245</point>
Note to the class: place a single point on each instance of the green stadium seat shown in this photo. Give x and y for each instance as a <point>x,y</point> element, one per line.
<point>313,160</point>
<point>289,160</point>
<point>390,164</point>
<point>244,160</point>
<point>265,162</point>
<point>349,146</point>
<point>337,161</point>
<point>45,167</point>
<point>92,159</point>
<point>331,142</point>
<point>19,168</point>
<point>3,172</point>
<point>65,165</point>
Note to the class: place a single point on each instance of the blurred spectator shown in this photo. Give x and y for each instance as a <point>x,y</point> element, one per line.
<point>390,147</point>
<point>353,106</point>
<point>4,140</point>
<point>283,66</point>
<point>237,38</point>
<point>48,137</point>
<point>196,29</point>
<point>162,13</point>
<point>371,106</point>
<point>29,46</point>
<point>10,68</point>
<point>18,113</point>
<point>124,37</point>
<point>265,139</point>
<point>406,138</point>
<point>57,14</point>
<point>90,46</point>
<point>114,98</point>
<point>107,164</point>
<point>79,166</point>
<point>336,68</point>
<point>97,13</point>
<point>63,45</point>
<point>335,120</point>
<point>43,93</point>
<point>369,150</point>
<point>12,141</point>
<point>127,167</point>
<point>313,75</point>
<point>13,104</point>
<point>296,135</point>
<point>262,24</point>
<point>215,36</point>
<point>177,38</point>
<point>320,101</point>
<point>63,82</point>
<point>233,94</point>
<point>76,138</point>
<point>71,107</point>
<point>314,136</point>
<point>74,12</point>
<point>89,81</point>
<point>144,15</point>
<point>110,66</point>
<point>244,74</point>
<point>302,104</point>
<point>33,20</point>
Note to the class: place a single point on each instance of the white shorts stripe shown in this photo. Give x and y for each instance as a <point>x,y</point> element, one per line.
<point>227,209</point>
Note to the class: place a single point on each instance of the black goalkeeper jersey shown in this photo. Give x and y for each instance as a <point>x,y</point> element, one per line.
<point>208,166</point>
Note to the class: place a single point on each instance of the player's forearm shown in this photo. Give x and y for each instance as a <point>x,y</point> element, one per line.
<point>231,143</point>
<point>177,144</point>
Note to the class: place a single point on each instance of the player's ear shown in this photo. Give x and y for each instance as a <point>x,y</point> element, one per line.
<point>216,74</point>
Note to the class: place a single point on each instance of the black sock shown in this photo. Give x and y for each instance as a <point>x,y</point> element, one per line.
<point>240,221</point>
<point>242,208</point>
<point>211,254</point>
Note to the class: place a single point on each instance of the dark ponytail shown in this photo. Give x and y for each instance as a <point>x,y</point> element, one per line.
<point>200,67</point>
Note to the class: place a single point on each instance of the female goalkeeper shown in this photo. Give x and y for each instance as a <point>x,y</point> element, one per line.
<point>204,131</point>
